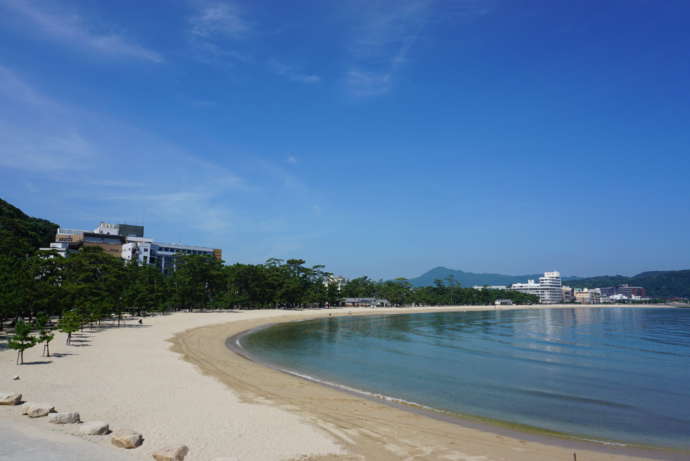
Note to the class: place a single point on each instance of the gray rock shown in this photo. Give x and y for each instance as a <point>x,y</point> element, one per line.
<point>94,428</point>
<point>10,399</point>
<point>64,418</point>
<point>15,378</point>
<point>125,438</point>
<point>176,453</point>
<point>37,410</point>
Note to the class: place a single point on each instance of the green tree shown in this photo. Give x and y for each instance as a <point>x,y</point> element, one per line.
<point>21,340</point>
<point>69,323</point>
<point>11,289</point>
<point>94,283</point>
<point>44,334</point>
<point>197,281</point>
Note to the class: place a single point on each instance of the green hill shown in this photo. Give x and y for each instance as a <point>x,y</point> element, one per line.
<point>470,279</point>
<point>21,234</point>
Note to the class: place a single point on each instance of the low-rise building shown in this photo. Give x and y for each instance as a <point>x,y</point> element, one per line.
<point>366,302</point>
<point>503,302</point>
<point>588,296</point>
<point>568,294</point>
<point>127,241</point>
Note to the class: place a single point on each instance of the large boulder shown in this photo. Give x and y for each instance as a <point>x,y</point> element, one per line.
<point>10,399</point>
<point>176,453</point>
<point>125,438</point>
<point>37,410</point>
<point>94,428</point>
<point>64,418</point>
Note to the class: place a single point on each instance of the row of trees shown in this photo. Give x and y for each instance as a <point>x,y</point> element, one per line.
<point>446,292</point>
<point>96,285</point>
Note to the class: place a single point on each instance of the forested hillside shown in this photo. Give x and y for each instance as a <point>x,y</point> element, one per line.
<point>21,234</point>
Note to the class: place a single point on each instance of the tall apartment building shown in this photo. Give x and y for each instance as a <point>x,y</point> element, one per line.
<point>128,242</point>
<point>549,288</point>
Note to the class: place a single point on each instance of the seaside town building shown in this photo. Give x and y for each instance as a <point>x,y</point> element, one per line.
<point>366,302</point>
<point>127,242</point>
<point>549,288</point>
<point>588,296</point>
<point>490,287</point>
<point>338,280</point>
<point>568,294</point>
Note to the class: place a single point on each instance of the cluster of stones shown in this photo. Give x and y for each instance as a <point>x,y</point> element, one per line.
<point>123,438</point>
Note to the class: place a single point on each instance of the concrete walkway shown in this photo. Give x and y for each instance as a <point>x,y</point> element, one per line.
<point>19,443</point>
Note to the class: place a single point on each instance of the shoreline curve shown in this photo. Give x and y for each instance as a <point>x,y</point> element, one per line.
<point>370,427</point>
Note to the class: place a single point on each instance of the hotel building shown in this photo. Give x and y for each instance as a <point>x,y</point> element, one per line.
<point>549,288</point>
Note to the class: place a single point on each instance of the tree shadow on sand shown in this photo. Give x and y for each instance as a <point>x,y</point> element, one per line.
<point>61,354</point>
<point>37,362</point>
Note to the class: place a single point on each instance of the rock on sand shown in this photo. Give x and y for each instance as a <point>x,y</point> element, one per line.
<point>10,399</point>
<point>94,428</point>
<point>125,438</point>
<point>37,410</point>
<point>64,418</point>
<point>176,453</point>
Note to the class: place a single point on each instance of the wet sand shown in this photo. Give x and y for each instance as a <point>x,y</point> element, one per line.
<point>371,429</point>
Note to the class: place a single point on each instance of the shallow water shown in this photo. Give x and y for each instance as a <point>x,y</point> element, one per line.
<point>609,374</point>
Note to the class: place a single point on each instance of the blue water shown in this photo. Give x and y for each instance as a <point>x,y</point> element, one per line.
<point>609,374</point>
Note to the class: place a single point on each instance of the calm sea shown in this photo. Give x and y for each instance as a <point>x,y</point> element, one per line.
<point>611,374</point>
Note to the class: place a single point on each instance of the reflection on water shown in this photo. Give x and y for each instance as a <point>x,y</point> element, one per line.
<point>618,374</point>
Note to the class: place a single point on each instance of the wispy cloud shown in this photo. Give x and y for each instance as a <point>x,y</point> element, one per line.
<point>291,159</point>
<point>80,150</point>
<point>73,29</point>
<point>214,28</point>
<point>368,83</point>
<point>291,73</point>
<point>382,39</point>
<point>221,18</point>
<point>35,132</point>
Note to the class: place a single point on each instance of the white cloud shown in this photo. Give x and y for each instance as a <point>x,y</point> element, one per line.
<point>73,29</point>
<point>222,18</point>
<point>292,160</point>
<point>291,73</point>
<point>92,157</point>
<point>35,132</point>
<point>363,83</point>
<point>382,38</point>
<point>212,28</point>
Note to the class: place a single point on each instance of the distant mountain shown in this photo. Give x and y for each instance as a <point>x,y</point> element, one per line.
<point>21,234</point>
<point>659,284</point>
<point>470,279</point>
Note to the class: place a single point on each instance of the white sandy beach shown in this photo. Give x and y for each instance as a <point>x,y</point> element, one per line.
<point>130,378</point>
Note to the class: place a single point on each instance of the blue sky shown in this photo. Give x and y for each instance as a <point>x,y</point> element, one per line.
<point>376,137</point>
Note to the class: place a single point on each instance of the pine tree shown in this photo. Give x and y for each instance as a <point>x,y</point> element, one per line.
<point>21,340</point>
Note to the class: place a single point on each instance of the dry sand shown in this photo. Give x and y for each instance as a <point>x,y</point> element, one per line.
<point>132,378</point>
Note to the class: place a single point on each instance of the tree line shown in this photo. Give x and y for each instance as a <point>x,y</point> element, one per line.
<point>97,285</point>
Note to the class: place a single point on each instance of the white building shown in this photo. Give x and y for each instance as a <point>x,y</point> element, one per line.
<point>163,255</point>
<point>490,287</point>
<point>531,287</point>
<point>549,288</point>
<point>128,242</point>
<point>137,249</point>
